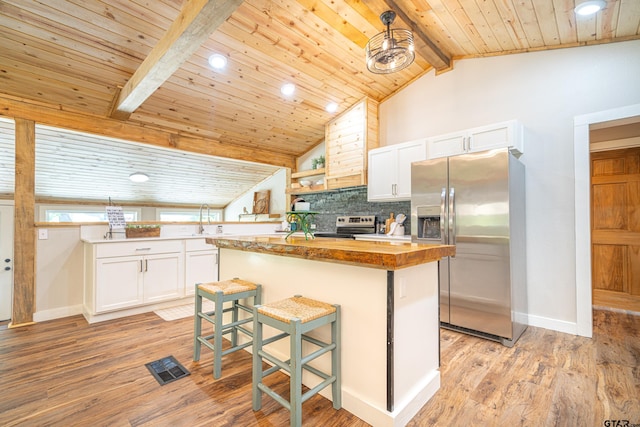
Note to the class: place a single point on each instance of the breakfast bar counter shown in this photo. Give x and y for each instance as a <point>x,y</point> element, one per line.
<point>380,254</point>
<point>388,293</point>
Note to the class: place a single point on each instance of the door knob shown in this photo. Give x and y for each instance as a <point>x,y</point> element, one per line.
<point>7,268</point>
<point>7,260</point>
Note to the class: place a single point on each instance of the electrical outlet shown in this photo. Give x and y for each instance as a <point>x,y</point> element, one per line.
<point>403,289</point>
<point>43,234</point>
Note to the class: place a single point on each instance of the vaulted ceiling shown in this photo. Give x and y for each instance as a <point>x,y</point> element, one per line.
<point>144,63</point>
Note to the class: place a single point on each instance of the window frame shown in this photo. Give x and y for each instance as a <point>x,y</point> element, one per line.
<point>43,211</point>
<point>215,213</point>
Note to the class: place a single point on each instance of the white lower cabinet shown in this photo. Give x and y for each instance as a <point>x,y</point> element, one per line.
<point>162,277</point>
<point>201,264</point>
<point>118,283</point>
<point>129,274</point>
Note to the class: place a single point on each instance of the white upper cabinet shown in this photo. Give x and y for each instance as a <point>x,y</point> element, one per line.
<point>390,170</point>
<point>499,135</point>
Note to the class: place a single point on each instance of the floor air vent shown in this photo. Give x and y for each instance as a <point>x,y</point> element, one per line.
<point>166,370</point>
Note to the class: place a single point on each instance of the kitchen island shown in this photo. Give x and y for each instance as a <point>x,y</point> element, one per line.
<point>388,292</point>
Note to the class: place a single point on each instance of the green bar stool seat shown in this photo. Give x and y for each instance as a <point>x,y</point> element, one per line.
<point>294,317</point>
<point>221,292</point>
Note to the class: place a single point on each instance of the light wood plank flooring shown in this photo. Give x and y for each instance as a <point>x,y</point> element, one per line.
<point>66,372</point>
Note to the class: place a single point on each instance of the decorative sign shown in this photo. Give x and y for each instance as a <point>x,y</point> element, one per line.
<point>116,217</point>
<point>261,202</point>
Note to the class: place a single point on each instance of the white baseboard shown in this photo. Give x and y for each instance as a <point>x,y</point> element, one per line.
<point>57,313</point>
<point>553,324</point>
<point>93,318</point>
<point>403,411</point>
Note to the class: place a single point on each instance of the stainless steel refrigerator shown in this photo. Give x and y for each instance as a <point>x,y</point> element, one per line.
<point>477,203</point>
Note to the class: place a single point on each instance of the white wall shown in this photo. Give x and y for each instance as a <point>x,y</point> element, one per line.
<point>278,204</point>
<point>545,91</point>
<point>304,162</point>
<point>59,274</point>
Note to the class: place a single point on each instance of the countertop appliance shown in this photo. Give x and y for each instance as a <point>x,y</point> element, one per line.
<point>477,203</point>
<point>347,226</point>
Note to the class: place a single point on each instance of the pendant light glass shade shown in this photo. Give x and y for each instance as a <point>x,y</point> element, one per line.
<point>391,50</point>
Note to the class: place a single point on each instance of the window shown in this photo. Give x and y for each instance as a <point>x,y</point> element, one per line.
<point>64,213</point>
<point>187,215</point>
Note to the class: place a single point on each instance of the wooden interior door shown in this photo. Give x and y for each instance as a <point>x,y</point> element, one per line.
<point>615,228</point>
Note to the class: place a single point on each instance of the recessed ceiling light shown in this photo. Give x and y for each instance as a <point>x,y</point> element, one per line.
<point>589,7</point>
<point>139,177</point>
<point>288,89</point>
<point>218,61</point>
<point>331,107</point>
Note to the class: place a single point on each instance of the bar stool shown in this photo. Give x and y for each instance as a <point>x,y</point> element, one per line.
<point>295,317</point>
<point>221,292</point>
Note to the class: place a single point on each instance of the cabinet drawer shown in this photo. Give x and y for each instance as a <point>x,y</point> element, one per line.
<point>198,245</point>
<point>144,247</point>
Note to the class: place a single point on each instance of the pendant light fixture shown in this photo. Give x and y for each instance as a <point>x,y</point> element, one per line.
<point>391,50</point>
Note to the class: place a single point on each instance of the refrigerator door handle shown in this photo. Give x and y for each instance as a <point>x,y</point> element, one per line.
<point>452,216</point>
<point>443,230</point>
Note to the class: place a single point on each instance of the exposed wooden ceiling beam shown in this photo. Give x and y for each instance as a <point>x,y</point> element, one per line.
<point>197,20</point>
<point>432,53</point>
<point>52,116</point>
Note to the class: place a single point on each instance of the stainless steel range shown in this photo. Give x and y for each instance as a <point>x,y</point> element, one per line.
<point>348,226</point>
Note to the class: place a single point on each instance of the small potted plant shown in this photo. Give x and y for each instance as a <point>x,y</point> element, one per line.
<point>137,231</point>
<point>317,163</point>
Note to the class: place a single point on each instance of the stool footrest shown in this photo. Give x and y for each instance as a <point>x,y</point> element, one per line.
<point>279,363</point>
<point>271,370</point>
<point>245,308</point>
<point>208,318</point>
<point>236,348</point>
<point>281,400</point>
<point>225,332</point>
<point>274,338</point>
<point>228,328</point>
<point>317,353</point>
<point>316,372</point>
<point>316,389</point>
<point>305,396</point>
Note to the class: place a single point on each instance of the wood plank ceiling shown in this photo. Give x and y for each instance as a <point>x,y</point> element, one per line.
<point>145,63</point>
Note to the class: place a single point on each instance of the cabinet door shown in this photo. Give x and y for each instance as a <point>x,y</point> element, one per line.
<point>489,137</point>
<point>446,145</point>
<point>500,135</point>
<point>163,277</point>
<point>407,154</point>
<point>382,174</point>
<point>200,267</point>
<point>118,283</point>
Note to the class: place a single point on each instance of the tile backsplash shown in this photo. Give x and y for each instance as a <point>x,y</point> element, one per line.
<point>352,201</point>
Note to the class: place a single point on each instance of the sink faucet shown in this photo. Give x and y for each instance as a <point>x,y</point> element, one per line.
<point>201,228</point>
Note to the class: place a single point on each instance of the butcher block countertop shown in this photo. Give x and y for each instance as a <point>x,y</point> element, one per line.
<point>382,255</point>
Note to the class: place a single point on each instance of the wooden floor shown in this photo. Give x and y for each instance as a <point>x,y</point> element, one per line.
<point>66,372</point>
